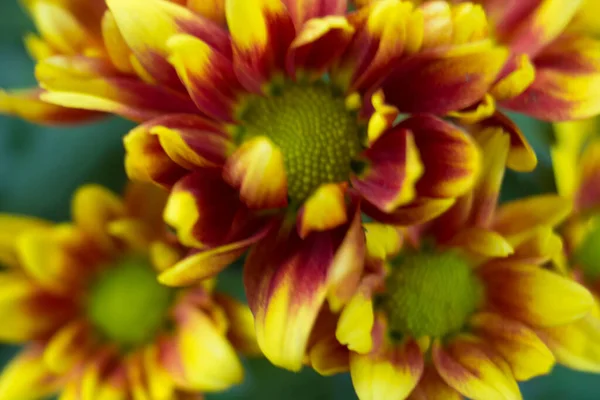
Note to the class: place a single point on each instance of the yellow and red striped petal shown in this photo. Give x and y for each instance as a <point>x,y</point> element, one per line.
<point>257,170</point>
<point>521,216</point>
<point>12,227</point>
<point>384,31</point>
<point>92,84</point>
<point>432,387</point>
<point>482,242</point>
<point>304,10</point>
<point>68,346</point>
<point>28,105</point>
<point>204,264</point>
<point>520,346</point>
<point>419,211</point>
<point>472,368</point>
<point>534,295</point>
<point>261,31</point>
<point>390,373</point>
<point>320,42</point>
<point>204,210</point>
<point>147,161</point>
<point>393,167</point>
<point>450,157</point>
<point>203,358</point>
<point>207,74</point>
<point>241,333</point>
<point>516,81</point>
<point>576,345</point>
<point>567,79</point>
<point>27,378</point>
<point>325,209</point>
<point>434,82</point>
<point>287,281</point>
<point>587,196</point>
<point>166,19</point>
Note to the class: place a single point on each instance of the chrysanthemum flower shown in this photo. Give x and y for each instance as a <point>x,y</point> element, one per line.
<point>84,300</point>
<point>460,306</point>
<point>576,157</point>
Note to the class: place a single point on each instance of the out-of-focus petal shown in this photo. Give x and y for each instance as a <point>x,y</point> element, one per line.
<point>432,387</point>
<point>535,295</point>
<point>257,170</point>
<point>26,377</point>
<point>516,82</point>
<point>241,332</point>
<point>211,9</point>
<point>12,227</point>
<point>304,10</point>
<point>419,211</point>
<point>588,193</point>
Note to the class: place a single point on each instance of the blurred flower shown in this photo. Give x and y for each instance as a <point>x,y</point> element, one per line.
<point>460,306</point>
<point>576,158</point>
<point>84,299</point>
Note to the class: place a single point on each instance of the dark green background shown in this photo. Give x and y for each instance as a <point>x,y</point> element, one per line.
<point>40,167</point>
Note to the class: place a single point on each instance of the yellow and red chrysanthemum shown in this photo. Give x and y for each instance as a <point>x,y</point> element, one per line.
<point>84,300</point>
<point>463,306</point>
<point>576,157</point>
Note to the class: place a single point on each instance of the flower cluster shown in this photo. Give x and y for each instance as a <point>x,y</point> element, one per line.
<point>353,155</point>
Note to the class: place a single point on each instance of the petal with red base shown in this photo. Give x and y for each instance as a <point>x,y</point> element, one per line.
<point>566,83</point>
<point>93,84</point>
<point>439,82</point>
<point>432,387</point>
<point>536,296</point>
<point>287,281</point>
<point>325,209</point>
<point>204,210</point>
<point>28,105</point>
<point>419,211</point>
<point>520,346</point>
<point>207,75</point>
<point>450,157</point>
<point>261,31</point>
<point>474,370</point>
<point>149,45</point>
<point>390,371</point>
<point>304,10</point>
<point>147,161</point>
<point>392,167</point>
<point>257,170</point>
<point>516,81</point>
<point>320,42</point>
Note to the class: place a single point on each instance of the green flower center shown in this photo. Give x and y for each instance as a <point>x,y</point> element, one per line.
<point>587,255</point>
<point>127,305</point>
<point>314,129</point>
<point>430,294</point>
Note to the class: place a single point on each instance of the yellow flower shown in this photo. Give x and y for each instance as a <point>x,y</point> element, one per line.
<point>461,306</point>
<point>84,300</point>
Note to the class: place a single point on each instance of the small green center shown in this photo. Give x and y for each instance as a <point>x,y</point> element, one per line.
<point>587,255</point>
<point>430,294</point>
<point>126,303</point>
<point>315,131</point>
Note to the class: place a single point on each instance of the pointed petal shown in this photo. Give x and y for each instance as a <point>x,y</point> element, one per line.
<point>261,31</point>
<point>208,361</point>
<point>460,77</point>
<point>419,211</point>
<point>325,209</point>
<point>12,227</point>
<point>450,157</point>
<point>567,79</point>
<point>575,345</point>
<point>520,346</point>
<point>304,10</point>
<point>26,377</point>
<point>258,171</point>
<point>28,105</point>
<point>202,209</point>
<point>470,368</point>
<point>391,374</point>
<point>534,295</point>
<point>516,82</point>
<point>393,168</point>
<point>320,42</point>
<point>241,333</point>
<point>522,215</point>
<point>167,19</point>
<point>482,242</point>
<point>207,75</point>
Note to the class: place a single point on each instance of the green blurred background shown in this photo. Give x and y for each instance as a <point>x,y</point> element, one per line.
<point>40,167</point>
